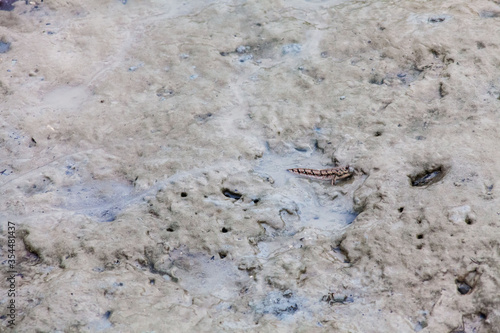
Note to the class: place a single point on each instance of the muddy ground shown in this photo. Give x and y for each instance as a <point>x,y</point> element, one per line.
<point>143,156</point>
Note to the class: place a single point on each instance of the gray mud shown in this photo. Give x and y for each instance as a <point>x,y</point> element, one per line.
<point>144,148</point>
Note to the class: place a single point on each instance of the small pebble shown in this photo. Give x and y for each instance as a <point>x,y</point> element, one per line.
<point>342,98</point>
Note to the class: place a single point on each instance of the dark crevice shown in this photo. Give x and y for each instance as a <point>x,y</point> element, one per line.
<point>231,194</point>
<point>428,177</point>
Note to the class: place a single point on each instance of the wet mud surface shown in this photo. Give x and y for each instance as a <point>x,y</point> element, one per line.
<point>144,149</point>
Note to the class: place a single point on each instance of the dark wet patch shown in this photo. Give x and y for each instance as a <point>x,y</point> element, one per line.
<point>204,117</point>
<point>428,177</point>
<point>7,5</point>
<point>108,215</point>
<point>231,194</point>
<point>101,200</point>
<point>489,14</point>
<point>4,46</point>
<point>280,304</point>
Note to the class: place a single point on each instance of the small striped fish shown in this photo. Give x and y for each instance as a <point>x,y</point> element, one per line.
<point>333,174</point>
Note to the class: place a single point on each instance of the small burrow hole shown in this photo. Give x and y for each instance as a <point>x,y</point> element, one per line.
<point>378,133</point>
<point>420,246</point>
<point>231,194</point>
<point>184,194</point>
<point>401,209</point>
<point>428,177</point>
<point>222,254</point>
<point>224,230</point>
<point>420,236</point>
<point>463,287</point>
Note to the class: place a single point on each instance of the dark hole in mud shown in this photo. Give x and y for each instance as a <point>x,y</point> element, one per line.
<point>376,79</point>
<point>173,227</point>
<point>420,236</point>
<point>152,281</point>
<point>428,177</point>
<point>401,209</point>
<point>378,133</point>
<point>107,314</point>
<point>300,149</point>
<point>420,246</point>
<point>222,254</point>
<point>462,287</point>
<point>256,201</point>
<point>231,194</point>
<point>184,194</point>
<point>468,220</point>
<point>437,19</point>
<point>224,230</point>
